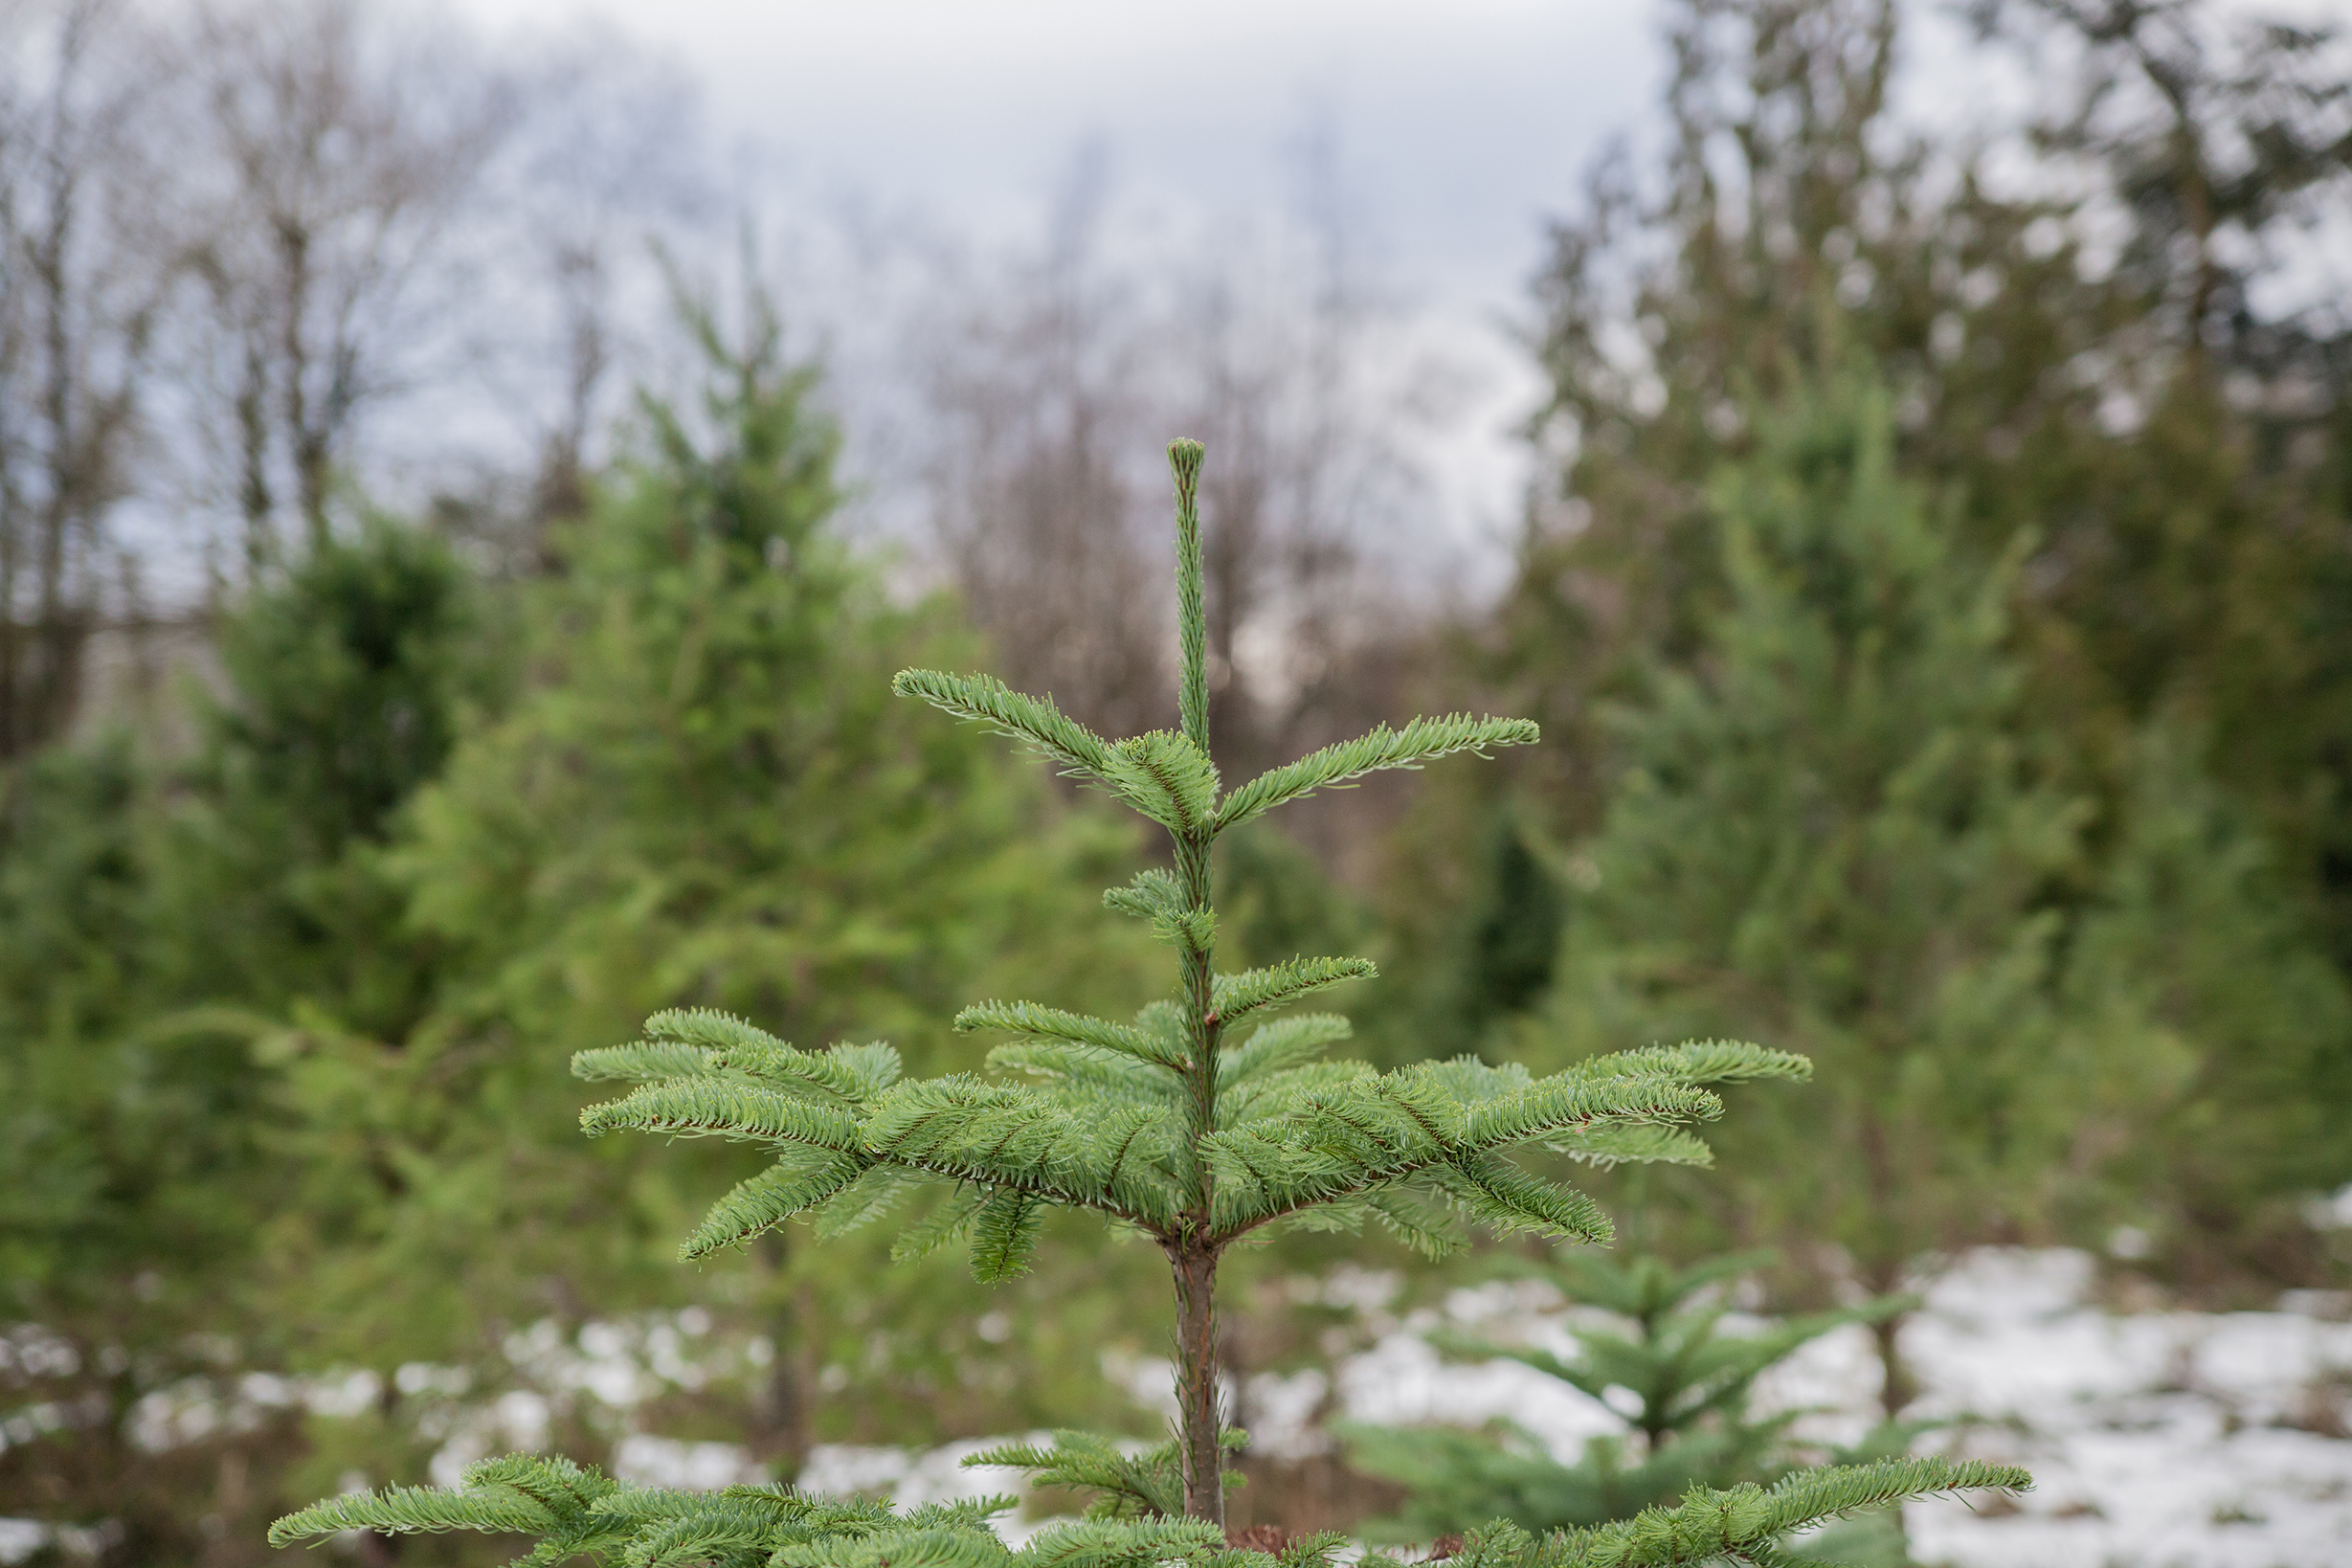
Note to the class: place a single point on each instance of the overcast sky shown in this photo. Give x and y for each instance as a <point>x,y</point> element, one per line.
<point>1459,121</point>
<point>1460,125</point>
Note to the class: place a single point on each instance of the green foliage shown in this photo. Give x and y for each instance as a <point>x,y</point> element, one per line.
<point>1689,1378</point>
<point>348,684</point>
<point>1834,828</point>
<point>161,925</point>
<point>2175,523</point>
<point>1141,1124</point>
<point>1130,1119</point>
<point>578,1511</point>
<point>701,796</point>
<point>1128,1483</point>
<point>1423,740</point>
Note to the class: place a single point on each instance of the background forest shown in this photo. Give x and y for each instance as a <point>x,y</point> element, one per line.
<point>449,585</point>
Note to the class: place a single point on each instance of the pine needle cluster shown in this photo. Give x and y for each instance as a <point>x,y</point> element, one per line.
<point>1210,1118</point>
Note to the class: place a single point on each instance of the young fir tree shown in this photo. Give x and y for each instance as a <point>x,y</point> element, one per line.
<point>1182,1127</point>
<point>1666,1345</point>
<point>1835,823</point>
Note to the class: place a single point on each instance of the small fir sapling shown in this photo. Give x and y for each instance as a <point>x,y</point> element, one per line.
<point>1203,1122</point>
<point>1663,1343</point>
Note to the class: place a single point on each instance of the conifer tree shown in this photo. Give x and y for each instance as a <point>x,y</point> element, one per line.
<point>1833,826</point>
<point>701,792</point>
<point>1664,1343</point>
<point>1203,1123</point>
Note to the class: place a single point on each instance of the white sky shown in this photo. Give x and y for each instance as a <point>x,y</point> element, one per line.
<point>1460,121</point>
<point>1461,125</point>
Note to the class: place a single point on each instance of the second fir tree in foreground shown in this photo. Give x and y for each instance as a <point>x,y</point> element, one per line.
<point>1203,1120</point>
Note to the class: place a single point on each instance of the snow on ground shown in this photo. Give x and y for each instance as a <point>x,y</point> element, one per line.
<point>2157,1440</point>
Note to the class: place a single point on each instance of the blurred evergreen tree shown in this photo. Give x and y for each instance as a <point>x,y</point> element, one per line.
<point>1836,829</point>
<point>346,686</point>
<point>702,795</point>
<point>1664,1344</point>
<point>128,1166</point>
<point>2090,371</point>
<point>159,921</point>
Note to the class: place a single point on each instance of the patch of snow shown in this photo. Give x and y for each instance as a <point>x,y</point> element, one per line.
<point>2157,1440</point>
<point>912,1477</point>
<point>647,1461</point>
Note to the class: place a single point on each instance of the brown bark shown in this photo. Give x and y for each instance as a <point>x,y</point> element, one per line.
<point>785,1417</point>
<point>1197,1413</point>
<point>1896,1388</point>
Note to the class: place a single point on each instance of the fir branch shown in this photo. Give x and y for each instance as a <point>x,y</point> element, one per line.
<point>764,1201</point>
<point>932,1548</point>
<point>1158,897</point>
<point>1148,1483</point>
<point>1642,1144</point>
<point>1025,1018</point>
<point>1700,1062</point>
<point>1162,775</point>
<point>1743,1524</point>
<point>1423,740</point>
<point>740,1524</point>
<point>960,1513</point>
<point>1184,456</point>
<point>1237,996</point>
<point>1114,1543</point>
<point>1092,1072</point>
<point>516,1494</point>
<point>1169,779</point>
<point>1034,721</point>
<point>1003,1135</point>
<point>873,1195</point>
<point>1373,1131</point>
<point>852,1074</point>
<point>1004,1234</point>
<point>1815,1496</point>
<point>711,1029</point>
<point>722,1109</point>
<point>1428,1229</point>
<point>1287,1093</point>
<point>1279,1046</point>
<point>640,1062</point>
<point>398,1510</point>
<point>943,1227</point>
<point>1149,895</point>
<point>1561,1103</point>
<point>1000,1135</point>
<point>1509,1202</point>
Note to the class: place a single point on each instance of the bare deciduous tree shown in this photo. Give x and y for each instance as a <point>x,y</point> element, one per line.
<point>336,153</point>
<point>80,291</point>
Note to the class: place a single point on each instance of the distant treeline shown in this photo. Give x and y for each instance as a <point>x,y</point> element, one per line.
<point>1936,591</point>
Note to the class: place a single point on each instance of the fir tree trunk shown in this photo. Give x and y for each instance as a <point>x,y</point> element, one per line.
<point>1197,1412</point>
<point>784,1410</point>
<point>1896,1387</point>
<point>1194,1257</point>
<point>1883,1273</point>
